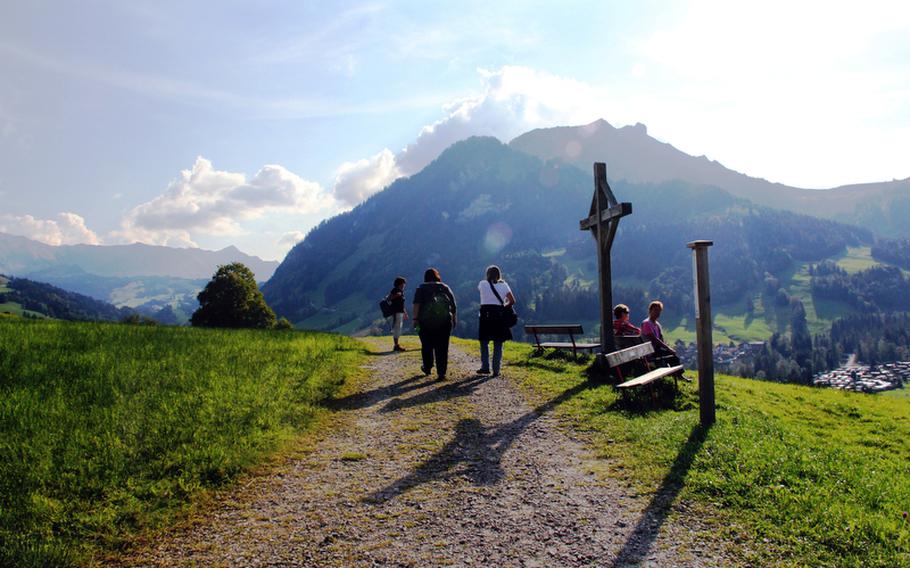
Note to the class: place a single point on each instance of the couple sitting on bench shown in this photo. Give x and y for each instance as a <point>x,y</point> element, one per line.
<point>650,331</point>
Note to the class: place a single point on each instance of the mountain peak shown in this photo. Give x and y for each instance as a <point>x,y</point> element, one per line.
<point>637,128</point>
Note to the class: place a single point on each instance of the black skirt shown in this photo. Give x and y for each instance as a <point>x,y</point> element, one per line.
<point>492,324</point>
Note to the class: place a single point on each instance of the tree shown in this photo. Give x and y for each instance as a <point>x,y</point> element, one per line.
<point>232,299</point>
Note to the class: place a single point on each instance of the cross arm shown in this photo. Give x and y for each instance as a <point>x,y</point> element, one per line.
<point>615,212</point>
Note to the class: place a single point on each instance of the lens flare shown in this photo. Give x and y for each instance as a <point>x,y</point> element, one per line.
<point>497,237</point>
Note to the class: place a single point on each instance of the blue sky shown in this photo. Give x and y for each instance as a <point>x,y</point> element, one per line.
<point>216,123</point>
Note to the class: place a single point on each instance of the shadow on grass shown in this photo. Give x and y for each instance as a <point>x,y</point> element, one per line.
<point>658,396</point>
<point>637,546</point>
<point>475,452</point>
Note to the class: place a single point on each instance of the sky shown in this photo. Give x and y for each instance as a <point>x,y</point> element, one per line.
<point>209,124</point>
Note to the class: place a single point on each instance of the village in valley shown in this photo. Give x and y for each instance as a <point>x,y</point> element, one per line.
<point>851,376</point>
<point>865,378</point>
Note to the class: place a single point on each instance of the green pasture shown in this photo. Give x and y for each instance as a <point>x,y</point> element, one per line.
<point>903,393</point>
<point>856,259</point>
<point>107,430</point>
<point>795,475</point>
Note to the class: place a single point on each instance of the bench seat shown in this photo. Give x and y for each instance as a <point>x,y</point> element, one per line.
<point>570,329</point>
<point>650,377</point>
<point>567,345</point>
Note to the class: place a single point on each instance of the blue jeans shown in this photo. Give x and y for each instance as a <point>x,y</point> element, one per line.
<point>485,355</point>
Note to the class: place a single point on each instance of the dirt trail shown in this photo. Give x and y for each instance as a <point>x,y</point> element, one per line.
<point>419,472</point>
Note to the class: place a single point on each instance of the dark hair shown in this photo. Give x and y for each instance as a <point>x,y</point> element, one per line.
<point>399,282</point>
<point>432,275</point>
<point>619,310</point>
<point>494,274</point>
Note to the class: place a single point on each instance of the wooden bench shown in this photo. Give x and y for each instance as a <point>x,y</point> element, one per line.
<point>570,329</point>
<point>635,357</point>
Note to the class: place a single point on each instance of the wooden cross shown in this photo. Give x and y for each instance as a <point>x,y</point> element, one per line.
<point>602,221</point>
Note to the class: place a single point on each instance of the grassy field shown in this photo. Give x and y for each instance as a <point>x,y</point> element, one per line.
<point>856,259</point>
<point>107,430</point>
<point>903,393</point>
<point>800,476</point>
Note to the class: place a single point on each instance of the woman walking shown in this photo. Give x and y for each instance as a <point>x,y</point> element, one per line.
<point>399,314</point>
<point>495,299</point>
<point>434,315</point>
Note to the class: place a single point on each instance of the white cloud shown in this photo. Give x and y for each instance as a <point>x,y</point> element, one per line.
<point>513,101</point>
<point>805,93</point>
<point>355,181</point>
<point>66,229</point>
<point>291,238</point>
<point>206,201</point>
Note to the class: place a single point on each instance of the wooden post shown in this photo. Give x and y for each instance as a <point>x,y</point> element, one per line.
<point>703,334</point>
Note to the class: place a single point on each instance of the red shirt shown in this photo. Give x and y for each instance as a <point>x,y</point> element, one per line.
<point>623,327</point>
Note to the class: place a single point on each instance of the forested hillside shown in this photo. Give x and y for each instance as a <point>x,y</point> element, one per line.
<point>32,298</point>
<point>482,202</point>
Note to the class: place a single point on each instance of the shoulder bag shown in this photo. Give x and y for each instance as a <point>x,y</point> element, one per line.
<point>509,317</point>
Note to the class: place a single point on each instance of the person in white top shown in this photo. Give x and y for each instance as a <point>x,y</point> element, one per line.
<point>493,326</point>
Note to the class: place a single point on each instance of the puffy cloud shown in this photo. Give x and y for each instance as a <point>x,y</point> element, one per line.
<point>207,201</point>
<point>65,229</point>
<point>513,101</point>
<point>291,238</point>
<point>355,181</point>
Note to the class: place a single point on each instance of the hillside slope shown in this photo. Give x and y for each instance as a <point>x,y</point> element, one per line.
<point>482,202</point>
<point>34,299</point>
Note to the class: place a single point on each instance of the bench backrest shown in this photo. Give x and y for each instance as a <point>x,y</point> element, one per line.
<point>569,328</point>
<point>629,354</point>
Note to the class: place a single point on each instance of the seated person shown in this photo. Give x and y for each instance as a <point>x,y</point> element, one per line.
<point>621,325</point>
<point>651,330</point>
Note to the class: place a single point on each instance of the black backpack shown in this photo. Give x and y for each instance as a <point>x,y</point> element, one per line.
<point>385,305</point>
<point>436,311</point>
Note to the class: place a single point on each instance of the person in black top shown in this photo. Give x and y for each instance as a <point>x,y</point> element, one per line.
<point>434,315</point>
<point>399,314</point>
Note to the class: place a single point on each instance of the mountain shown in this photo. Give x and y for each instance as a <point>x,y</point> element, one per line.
<point>632,155</point>
<point>19,255</point>
<point>35,299</point>
<point>484,202</point>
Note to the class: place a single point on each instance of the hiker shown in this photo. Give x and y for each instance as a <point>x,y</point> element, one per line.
<point>399,314</point>
<point>434,315</point>
<point>495,300</point>
<point>621,325</point>
<point>652,331</point>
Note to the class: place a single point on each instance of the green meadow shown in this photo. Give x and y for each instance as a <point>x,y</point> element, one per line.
<point>798,475</point>
<point>107,430</point>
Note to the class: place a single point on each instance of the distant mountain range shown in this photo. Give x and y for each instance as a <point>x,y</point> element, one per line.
<point>634,156</point>
<point>19,255</point>
<point>160,282</point>
<point>484,202</point>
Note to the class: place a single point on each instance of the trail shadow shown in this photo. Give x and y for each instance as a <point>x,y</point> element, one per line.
<point>446,391</point>
<point>474,452</point>
<point>639,543</point>
<point>369,398</point>
<point>379,353</point>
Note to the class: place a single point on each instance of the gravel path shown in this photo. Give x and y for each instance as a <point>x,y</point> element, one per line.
<point>419,472</point>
